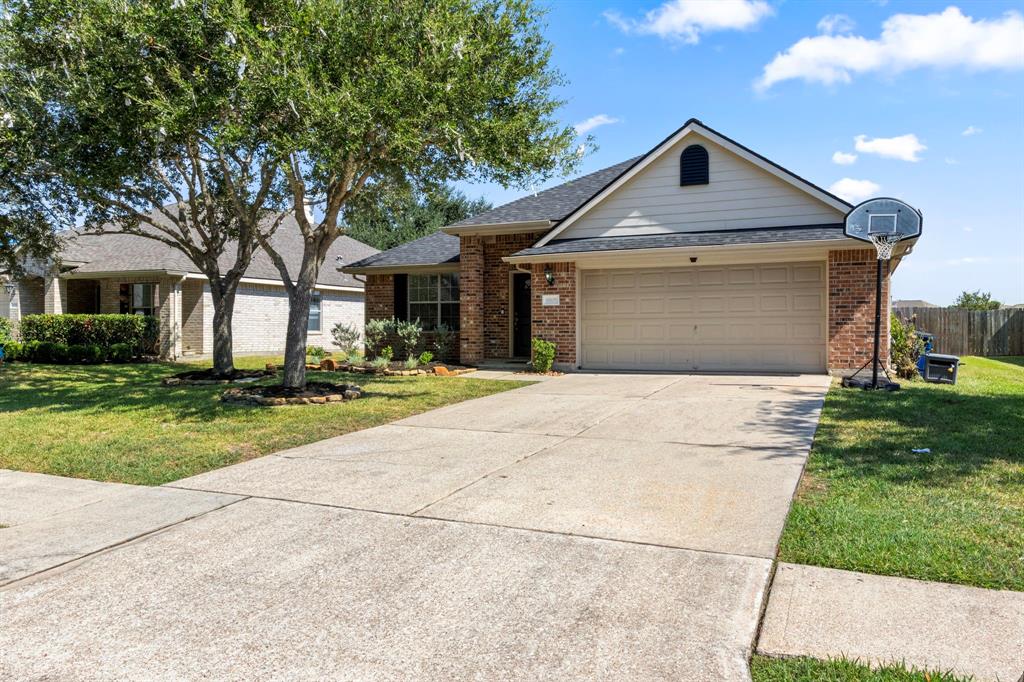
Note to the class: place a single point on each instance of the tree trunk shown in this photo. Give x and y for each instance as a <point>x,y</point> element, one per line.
<point>298,322</point>
<point>223,311</point>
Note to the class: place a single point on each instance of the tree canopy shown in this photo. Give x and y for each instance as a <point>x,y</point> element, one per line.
<point>402,215</point>
<point>976,300</point>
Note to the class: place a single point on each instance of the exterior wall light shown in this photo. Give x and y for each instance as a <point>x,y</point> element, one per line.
<point>549,275</point>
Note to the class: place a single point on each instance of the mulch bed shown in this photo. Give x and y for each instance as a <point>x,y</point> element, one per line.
<point>315,393</point>
<point>398,369</point>
<point>206,377</point>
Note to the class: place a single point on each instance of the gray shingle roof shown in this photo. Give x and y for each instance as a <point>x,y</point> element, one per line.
<point>434,249</point>
<point>684,239</point>
<point>127,252</point>
<point>551,204</point>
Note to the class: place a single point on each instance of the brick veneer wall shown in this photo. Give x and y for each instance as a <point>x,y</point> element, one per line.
<point>556,323</point>
<point>484,300</point>
<point>380,305</point>
<point>851,310</point>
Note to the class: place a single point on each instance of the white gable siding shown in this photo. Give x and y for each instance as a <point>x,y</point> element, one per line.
<point>740,195</point>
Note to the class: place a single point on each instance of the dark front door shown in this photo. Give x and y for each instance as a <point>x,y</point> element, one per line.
<point>521,315</point>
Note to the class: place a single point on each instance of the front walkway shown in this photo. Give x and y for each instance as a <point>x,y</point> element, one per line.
<point>590,526</point>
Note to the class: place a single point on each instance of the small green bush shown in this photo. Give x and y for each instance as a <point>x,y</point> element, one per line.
<point>6,330</point>
<point>905,348</point>
<point>86,353</point>
<point>13,351</point>
<point>409,333</point>
<point>318,353</point>
<point>386,354</point>
<point>28,351</point>
<point>380,362</point>
<point>376,333</point>
<point>346,336</point>
<point>543,355</point>
<point>412,363</point>
<point>120,352</point>
<point>48,352</point>
<point>354,358</point>
<point>425,357</point>
<point>444,340</point>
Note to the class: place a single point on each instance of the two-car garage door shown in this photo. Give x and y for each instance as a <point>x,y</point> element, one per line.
<point>766,317</point>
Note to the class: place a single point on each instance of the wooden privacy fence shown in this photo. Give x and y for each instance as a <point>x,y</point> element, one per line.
<point>969,332</point>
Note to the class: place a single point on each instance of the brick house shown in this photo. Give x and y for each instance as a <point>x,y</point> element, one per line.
<point>122,273</point>
<point>698,255</point>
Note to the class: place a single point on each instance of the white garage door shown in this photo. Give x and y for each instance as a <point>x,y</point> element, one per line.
<point>767,317</point>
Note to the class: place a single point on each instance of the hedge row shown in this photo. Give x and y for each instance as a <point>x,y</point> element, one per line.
<point>138,331</point>
<point>64,354</point>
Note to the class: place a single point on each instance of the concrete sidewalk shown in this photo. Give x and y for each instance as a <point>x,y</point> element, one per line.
<point>53,520</point>
<point>824,612</point>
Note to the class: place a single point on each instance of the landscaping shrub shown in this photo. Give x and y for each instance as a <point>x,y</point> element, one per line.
<point>86,353</point>
<point>346,336</point>
<point>377,332</point>
<point>425,357</point>
<point>444,339</point>
<point>49,352</point>
<point>412,363</point>
<point>386,354</point>
<point>6,330</point>
<point>354,358</point>
<point>409,333</point>
<point>138,331</point>
<point>318,353</point>
<point>13,351</point>
<point>905,348</point>
<point>543,355</point>
<point>120,352</point>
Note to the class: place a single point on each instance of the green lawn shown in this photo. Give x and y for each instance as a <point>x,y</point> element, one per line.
<point>118,423</point>
<point>764,669</point>
<point>867,503</point>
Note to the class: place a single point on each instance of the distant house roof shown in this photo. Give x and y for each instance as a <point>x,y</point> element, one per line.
<point>106,253</point>
<point>773,235</point>
<point>912,303</point>
<point>551,204</point>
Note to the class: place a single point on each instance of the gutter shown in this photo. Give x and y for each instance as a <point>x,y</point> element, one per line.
<point>499,228</point>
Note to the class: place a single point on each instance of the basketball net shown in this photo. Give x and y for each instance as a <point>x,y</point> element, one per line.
<point>884,244</point>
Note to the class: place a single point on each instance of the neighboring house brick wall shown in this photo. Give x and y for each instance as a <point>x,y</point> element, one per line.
<point>192,316</point>
<point>165,298</point>
<point>556,324</point>
<point>851,310</point>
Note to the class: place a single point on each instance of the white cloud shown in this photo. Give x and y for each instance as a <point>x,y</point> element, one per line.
<point>836,23</point>
<point>619,51</point>
<point>843,158</point>
<point>908,41</point>
<point>971,130</point>
<point>584,127</point>
<point>950,161</point>
<point>687,20</point>
<point>905,147</point>
<point>854,190</point>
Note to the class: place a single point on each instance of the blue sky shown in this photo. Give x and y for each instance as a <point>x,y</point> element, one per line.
<point>936,90</point>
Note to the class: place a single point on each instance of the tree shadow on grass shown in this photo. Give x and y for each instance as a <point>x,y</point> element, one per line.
<point>137,388</point>
<point>873,434</point>
<point>1017,360</point>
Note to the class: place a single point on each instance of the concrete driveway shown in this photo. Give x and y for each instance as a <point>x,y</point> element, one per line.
<point>591,526</point>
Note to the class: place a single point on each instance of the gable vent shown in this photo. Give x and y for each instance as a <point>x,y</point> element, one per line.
<point>693,166</point>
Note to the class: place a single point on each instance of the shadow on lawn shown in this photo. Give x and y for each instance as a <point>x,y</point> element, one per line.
<point>1017,360</point>
<point>872,435</point>
<point>132,388</point>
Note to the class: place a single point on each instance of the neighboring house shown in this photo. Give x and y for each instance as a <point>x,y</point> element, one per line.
<point>698,255</point>
<point>912,303</point>
<point>122,273</point>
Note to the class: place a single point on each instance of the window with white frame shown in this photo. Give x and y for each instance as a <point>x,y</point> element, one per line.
<point>137,299</point>
<point>313,324</point>
<point>434,299</point>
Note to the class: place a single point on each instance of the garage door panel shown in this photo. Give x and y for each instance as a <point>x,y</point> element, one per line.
<point>731,318</point>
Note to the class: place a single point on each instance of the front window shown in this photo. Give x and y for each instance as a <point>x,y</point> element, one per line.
<point>137,299</point>
<point>313,325</point>
<point>434,299</point>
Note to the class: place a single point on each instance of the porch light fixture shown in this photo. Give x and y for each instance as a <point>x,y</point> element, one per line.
<point>10,288</point>
<point>549,275</point>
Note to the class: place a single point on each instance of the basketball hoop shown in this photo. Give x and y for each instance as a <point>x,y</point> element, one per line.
<point>884,244</point>
<point>885,223</point>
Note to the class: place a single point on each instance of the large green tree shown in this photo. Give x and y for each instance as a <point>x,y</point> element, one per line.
<point>402,215</point>
<point>222,117</point>
<point>976,300</point>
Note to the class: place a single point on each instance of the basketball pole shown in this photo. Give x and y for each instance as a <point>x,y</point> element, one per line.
<point>878,322</point>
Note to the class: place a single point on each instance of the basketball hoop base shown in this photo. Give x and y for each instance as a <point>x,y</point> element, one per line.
<point>865,384</point>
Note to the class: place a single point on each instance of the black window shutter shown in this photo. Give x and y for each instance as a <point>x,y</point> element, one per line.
<point>693,166</point>
<point>401,297</point>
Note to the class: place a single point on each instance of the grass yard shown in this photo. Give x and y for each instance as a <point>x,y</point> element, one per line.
<point>763,669</point>
<point>118,423</point>
<point>867,503</point>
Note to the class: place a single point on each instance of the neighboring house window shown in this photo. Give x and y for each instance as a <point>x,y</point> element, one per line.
<point>693,166</point>
<point>137,299</point>
<point>314,313</point>
<point>434,299</point>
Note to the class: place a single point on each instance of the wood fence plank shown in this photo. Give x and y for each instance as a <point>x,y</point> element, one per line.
<point>967,332</point>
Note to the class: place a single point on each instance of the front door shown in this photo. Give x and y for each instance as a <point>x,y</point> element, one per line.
<point>521,314</point>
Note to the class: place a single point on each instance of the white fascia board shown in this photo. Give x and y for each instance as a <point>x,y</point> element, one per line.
<point>499,228</point>
<point>669,143</point>
<point>279,283</point>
